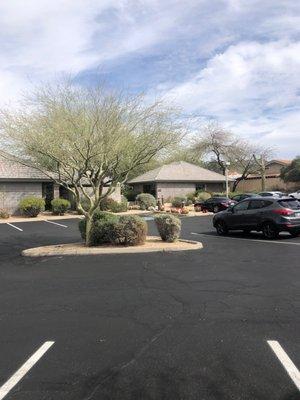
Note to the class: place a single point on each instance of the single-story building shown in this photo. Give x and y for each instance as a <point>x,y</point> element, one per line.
<point>177,179</point>
<point>18,181</point>
<point>273,181</point>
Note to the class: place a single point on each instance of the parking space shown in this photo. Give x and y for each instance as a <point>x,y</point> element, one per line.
<point>195,325</point>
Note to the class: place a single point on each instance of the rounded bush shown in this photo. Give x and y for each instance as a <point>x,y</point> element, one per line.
<point>145,201</point>
<point>32,206</point>
<point>169,227</point>
<point>178,201</point>
<point>101,227</point>
<point>202,196</point>
<point>109,204</point>
<point>130,230</point>
<point>3,214</point>
<point>60,206</point>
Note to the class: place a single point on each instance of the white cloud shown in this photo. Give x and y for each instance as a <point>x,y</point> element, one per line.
<point>251,85</point>
<point>247,54</point>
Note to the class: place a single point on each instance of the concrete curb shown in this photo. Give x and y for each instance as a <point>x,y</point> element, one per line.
<point>78,249</point>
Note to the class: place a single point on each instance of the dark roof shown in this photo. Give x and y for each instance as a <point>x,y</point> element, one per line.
<point>179,171</point>
<point>11,169</point>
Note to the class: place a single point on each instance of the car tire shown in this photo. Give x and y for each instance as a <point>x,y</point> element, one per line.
<point>216,209</point>
<point>270,231</point>
<point>221,228</point>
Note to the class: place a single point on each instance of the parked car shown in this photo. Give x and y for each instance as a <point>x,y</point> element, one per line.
<point>243,196</point>
<point>270,215</point>
<point>214,204</point>
<point>296,195</point>
<point>272,194</point>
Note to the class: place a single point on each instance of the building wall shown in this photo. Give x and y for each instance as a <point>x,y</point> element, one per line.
<point>173,189</point>
<point>254,185</point>
<point>12,192</point>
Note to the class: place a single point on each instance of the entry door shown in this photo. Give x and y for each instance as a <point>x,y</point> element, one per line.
<point>48,194</point>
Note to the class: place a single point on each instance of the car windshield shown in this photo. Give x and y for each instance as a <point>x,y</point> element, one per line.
<point>220,198</point>
<point>292,204</point>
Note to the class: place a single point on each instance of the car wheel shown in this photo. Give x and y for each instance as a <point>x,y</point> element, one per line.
<point>270,230</point>
<point>216,209</point>
<point>294,233</point>
<point>221,228</point>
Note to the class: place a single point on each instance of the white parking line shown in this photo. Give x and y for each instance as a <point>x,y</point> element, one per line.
<point>14,226</point>
<point>22,371</point>
<point>56,223</point>
<point>248,239</point>
<point>285,360</point>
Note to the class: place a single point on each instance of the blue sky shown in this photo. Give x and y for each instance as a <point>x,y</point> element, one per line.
<point>235,61</point>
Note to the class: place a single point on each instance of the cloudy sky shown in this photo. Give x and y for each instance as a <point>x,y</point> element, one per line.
<point>235,61</point>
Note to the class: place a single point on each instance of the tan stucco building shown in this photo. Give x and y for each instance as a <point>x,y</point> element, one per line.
<point>273,180</point>
<point>178,179</point>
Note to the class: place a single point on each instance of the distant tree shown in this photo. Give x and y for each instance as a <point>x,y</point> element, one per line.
<point>291,173</point>
<point>86,139</point>
<point>223,146</point>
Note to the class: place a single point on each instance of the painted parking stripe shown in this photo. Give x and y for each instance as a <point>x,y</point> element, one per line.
<point>248,239</point>
<point>56,223</point>
<point>14,226</point>
<point>22,371</point>
<point>287,363</point>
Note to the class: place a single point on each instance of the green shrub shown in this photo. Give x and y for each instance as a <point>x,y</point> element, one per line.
<point>202,196</point>
<point>191,196</point>
<point>60,206</point>
<point>130,230</point>
<point>168,226</point>
<point>145,200</point>
<point>189,202</point>
<point>109,204</point>
<point>3,214</point>
<point>179,201</point>
<point>101,227</point>
<point>32,206</point>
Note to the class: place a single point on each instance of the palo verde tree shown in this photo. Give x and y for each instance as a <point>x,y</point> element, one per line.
<point>87,139</point>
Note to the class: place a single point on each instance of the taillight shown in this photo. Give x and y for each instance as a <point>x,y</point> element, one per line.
<point>284,211</point>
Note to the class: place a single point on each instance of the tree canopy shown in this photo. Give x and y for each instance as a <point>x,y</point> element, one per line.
<point>87,138</point>
<point>291,173</point>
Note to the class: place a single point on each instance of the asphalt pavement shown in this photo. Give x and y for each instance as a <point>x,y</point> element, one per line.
<point>217,323</point>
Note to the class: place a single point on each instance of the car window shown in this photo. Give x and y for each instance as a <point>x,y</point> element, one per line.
<point>290,203</point>
<point>241,206</point>
<point>265,194</point>
<point>256,204</point>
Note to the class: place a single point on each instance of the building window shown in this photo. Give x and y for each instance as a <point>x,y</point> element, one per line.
<point>200,186</point>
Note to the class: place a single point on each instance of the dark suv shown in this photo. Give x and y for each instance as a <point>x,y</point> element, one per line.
<point>214,204</point>
<point>269,215</point>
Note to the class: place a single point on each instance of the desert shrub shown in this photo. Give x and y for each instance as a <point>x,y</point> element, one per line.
<point>31,206</point>
<point>202,196</point>
<point>101,227</point>
<point>3,214</point>
<point>191,197</point>
<point>168,226</point>
<point>129,230</point>
<point>109,204</point>
<point>145,200</point>
<point>129,193</point>
<point>178,201</point>
<point>185,210</point>
<point>60,206</point>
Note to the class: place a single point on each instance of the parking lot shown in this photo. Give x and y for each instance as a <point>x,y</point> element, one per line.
<point>217,323</point>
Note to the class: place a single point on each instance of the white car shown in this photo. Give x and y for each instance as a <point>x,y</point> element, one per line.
<point>296,195</point>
